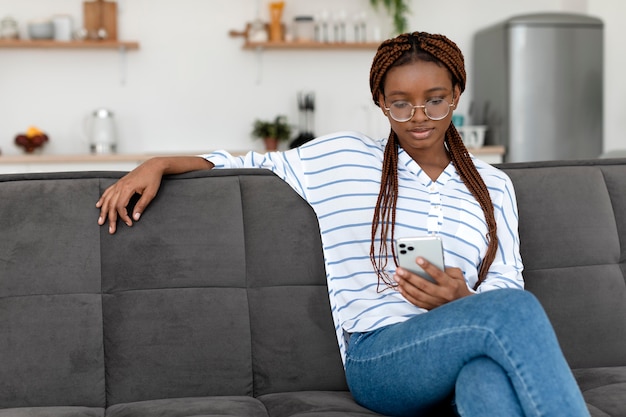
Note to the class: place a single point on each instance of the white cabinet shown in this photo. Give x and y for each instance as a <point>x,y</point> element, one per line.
<point>54,163</point>
<point>16,164</point>
<point>489,154</point>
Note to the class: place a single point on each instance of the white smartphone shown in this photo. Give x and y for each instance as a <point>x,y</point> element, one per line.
<point>428,247</point>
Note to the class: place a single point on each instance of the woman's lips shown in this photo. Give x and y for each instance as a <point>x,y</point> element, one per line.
<point>420,133</point>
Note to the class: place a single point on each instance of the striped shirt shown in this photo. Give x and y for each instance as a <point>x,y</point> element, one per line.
<point>339,176</point>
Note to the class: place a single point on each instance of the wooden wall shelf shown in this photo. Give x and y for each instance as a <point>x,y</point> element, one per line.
<point>50,44</point>
<point>310,45</point>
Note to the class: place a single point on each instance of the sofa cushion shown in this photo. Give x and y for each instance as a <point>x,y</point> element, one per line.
<point>211,258</point>
<point>52,412</point>
<point>50,306</point>
<point>191,407</point>
<point>573,258</point>
<point>161,343</point>
<point>176,317</point>
<point>288,296</point>
<point>314,404</point>
<point>614,178</point>
<point>603,389</point>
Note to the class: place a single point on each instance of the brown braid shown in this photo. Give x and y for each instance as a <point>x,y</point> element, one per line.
<point>403,49</point>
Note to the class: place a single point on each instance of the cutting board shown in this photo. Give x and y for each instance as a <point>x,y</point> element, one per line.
<point>100,14</point>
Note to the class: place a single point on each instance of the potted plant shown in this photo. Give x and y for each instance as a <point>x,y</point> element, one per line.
<point>397,9</point>
<point>272,131</point>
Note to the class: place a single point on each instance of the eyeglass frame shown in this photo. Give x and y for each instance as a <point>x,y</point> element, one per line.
<point>423,107</point>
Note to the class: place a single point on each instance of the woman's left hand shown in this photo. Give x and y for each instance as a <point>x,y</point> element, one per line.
<point>423,293</point>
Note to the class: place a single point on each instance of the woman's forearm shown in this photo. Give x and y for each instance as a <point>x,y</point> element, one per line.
<point>179,164</point>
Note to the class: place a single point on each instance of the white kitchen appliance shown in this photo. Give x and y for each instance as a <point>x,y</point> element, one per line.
<point>101,132</point>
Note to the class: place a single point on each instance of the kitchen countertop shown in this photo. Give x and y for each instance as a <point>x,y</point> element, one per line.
<point>119,157</point>
<point>82,158</point>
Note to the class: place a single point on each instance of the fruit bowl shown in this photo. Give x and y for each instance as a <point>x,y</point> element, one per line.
<point>31,140</point>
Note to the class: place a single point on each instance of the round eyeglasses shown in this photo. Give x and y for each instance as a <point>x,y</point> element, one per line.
<point>403,111</point>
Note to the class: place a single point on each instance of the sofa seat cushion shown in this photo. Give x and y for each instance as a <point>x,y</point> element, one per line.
<point>314,404</point>
<point>52,412</point>
<point>603,389</point>
<point>235,406</point>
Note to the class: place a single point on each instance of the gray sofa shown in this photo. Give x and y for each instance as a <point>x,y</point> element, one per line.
<point>215,303</point>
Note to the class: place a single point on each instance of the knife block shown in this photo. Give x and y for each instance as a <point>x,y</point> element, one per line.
<point>98,15</point>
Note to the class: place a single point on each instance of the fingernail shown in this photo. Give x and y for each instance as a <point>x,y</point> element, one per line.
<point>137,215</point>
<point>420,261</point>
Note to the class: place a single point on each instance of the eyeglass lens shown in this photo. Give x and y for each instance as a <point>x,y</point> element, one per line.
<point>403,111</point>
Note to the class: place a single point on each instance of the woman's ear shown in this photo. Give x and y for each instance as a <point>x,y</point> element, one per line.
<point>381,103</point>
<point>457,95</point>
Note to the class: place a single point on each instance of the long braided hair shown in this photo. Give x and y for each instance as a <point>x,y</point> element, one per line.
<point>401,50</point>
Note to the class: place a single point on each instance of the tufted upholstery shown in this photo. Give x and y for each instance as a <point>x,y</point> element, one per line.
<point>573,243</point>
<point>215,302</point>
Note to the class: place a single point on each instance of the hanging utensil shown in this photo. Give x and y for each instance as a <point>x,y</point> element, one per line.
<point>306,110</point>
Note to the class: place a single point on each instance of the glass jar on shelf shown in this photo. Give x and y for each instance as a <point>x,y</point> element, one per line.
<point>9,28</point>
<point>304,28</point>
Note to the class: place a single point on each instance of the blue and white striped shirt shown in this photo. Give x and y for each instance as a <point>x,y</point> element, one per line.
<point>339,176</point>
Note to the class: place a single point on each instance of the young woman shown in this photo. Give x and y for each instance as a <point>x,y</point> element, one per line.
<point>472,341</point>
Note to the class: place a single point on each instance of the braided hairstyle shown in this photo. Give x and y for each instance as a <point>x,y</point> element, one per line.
<point>401,50</point>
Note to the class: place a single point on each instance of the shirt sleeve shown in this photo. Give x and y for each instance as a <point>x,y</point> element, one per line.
<point>286,165</point>
<point>506,269</point>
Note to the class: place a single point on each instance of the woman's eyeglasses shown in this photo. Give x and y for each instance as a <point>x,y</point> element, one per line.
<point>403,111</point>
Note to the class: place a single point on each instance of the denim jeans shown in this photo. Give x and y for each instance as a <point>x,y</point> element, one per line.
<point>491,354</point>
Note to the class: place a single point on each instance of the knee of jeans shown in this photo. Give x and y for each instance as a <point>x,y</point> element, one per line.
<point>529,301</point>
<point>483,387</point>
<point>522,303</point>
<point>478,368</point>
<point>521,299</point>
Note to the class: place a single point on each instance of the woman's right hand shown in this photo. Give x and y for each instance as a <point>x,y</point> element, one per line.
<point>144,180</point>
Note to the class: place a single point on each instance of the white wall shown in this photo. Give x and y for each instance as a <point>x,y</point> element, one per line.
<point>190,87</point>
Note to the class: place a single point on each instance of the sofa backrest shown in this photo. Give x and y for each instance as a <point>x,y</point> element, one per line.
<point>51,345</point>
<point>572,225</point>
<point>220,289</point>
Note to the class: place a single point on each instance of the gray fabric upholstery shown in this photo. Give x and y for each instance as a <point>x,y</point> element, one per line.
<point>603,389</point>
<point>573,242</point>
<point>52,412</point>
<point>313,404</point>
<point>50,303</point>
<point>214,406</point>
<point>573,257</point>
<point>215,303</point>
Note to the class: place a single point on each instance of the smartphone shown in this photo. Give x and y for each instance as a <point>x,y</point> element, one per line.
<point>428,247</point>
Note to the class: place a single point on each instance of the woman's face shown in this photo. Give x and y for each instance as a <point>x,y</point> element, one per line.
<point>417,83</point>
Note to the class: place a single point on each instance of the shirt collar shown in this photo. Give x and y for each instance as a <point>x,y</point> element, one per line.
<point>414,168</point>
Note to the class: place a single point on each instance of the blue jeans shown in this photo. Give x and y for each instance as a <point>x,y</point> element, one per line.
<point>491,354</point>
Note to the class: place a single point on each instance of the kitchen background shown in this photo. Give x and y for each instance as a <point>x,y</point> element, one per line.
<point>190,87</point>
